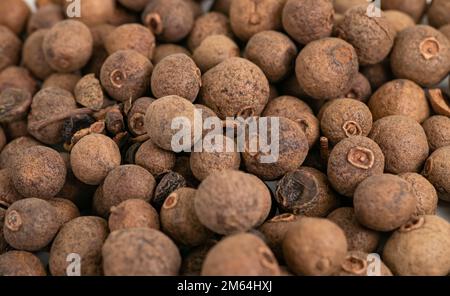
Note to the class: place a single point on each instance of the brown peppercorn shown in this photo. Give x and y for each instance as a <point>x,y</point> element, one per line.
<point>88,92</point>
<point>48,104</point>
<point>291,151</point>
<point>394,135</point>
<point>286,106</point>
<point>308,20</point>
<point>273,52</point>
<point>65,209</point>
<point>421,54</point>
<point>351,161</point>
<point>133,213</point>
<point>384,203</point>
<point>335,65</point>
<point>357,263</point>
<point>135,5</point>
<point>136,115</point>
<point>168,184</point>
<point>14,104</point>
<point>361,89</point>
<point>68,46</point>
<point>425,193</point>
<point>314,246</point>
<point>235,87</point>
<point>93,157</point>
<point>232,201</point>
<point>125,75</point>
<point>214,50</point>
<point>179,220</point>
<point>218,155</point>
<point>359,238</point>
<point>345,118</point>
<point>306,192</point>
<point>30,224</point>
<point>20,263</point>
<point>193,261</point>
<point>420,247</point>
<point>10,46</point>
<point>437,171</point>
<point>248,17</point>
<point>92,12</point>
<point>399,20</point>
<point>45,18</point>
<point>138,252</point>
<point>212,23</point>
<point>14,14</point>
<point>33,55</point>
<point>437,129</point>
<point>154,159</point>
<point>372,38</point>
<point>66,81</point>
<point>83,236</point>
<point>377,74</point>
<point>8,194</point>
<point>38,172</point>
<point>177,75</point>
<point>438,13</point>
<point>400,97</point>
<point>169,20</point>
<point>17,77</point>
<point>164,50</point>
<point>123,183</point>
<point>15,149</point>
<point>131,37</point>
<point>160,117</point>
<point>415,8</point>
<point>241,254</point>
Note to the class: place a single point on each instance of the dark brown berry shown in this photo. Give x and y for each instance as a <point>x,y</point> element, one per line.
<point>154,159</point>
<point>133,213</point>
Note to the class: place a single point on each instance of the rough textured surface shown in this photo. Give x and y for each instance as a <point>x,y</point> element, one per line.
<point>214,50</point>
<point>66,81</point>
<point>359,238</point>
<point>422,247</point>
<point>18,77</point>
<point>131,36</point>
<point>438,13</point>
<point>384,203</point>
<point>154,159</point>
<point>139,252</point>
<point>240,255</point>
<point>133,213</point>
<point>8,194</point>
<point>314,246</point>
<point>168,184</point>
<point>14,15</point>
<point>232,201</point>
<point>425,193</point>
<point>437,129</point>
<point>335,65</point>
<point>361,89</point>
<point>33,55</point>
<point>44,17</point>
<point>212,23</point>
<point>164,50</point>
<point>136,115</point>
<point>89,93</point>
<point>20,263</point>
<point>65,209</point>
<point>94,12</point>
<point>351,161</point>
<point>10,48</point>
<point>415,8</point>
<point>83,236</point>
<point>14,106</point>
<point>395,135</point>
<point>358,263</point>
<point>437,171</point>
<point>15,149</point>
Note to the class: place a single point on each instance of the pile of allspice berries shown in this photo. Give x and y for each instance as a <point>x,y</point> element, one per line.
<point>90,183</point>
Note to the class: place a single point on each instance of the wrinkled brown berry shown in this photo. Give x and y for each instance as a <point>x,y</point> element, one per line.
<point>133,213</point>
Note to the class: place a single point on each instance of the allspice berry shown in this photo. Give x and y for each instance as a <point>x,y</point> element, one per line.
<point>20,263</point>
<point>227,202</point>
<point>92,12</point>
<point>235,87</point>
<point>83,236</point>
<point>39,172</point>
<point>8,194</point>
<point>178,75</point>
<point>306,192</point>
<point>131,37</point>
<point>30,224</point>
<point>154,159</point>
<point>65,209</point>
<point>273,52</point>
<point>216,156</point>
<point>93,157</point>
<point>125,75</point>
<point>168,184</point>
<point>45,18</point>
<point>136,115</point>
<point>89,93</point>
<point>133,213</point>
<point>359,238</point>
<point>179,220</point>
<point>139,252</point>
<point>361,89</point>
<point>248,17</point>
<point>335,65</point>
<point>159,120</point>
<point>395,135</point>
<point>308,20</point>
<point>68,46</point>
<point>377,74</point>
<point>10,46</point>
<point>421,54</point>
<point>193,261</point>
<point>212,23</point>
<point>214,50</point>
<point>372,37</point>
<point>15,149</point>
<point>425,193</point>
<point>438,13</point>
<point>314,246</point>
<point>341,6</point>
<point>66,81</point>
<point>345,118</point>
<point>384,203</point>
<point>437,171</point>
<point>445,30</point>
<point>33,55</point>
<point>169,20</point>
<point>14,15</point>
<point>14,105</point>
<point>272,161</point>
<point>17,77</point>
<point>351,161</point>
<point>437,129</point>
<point>420,247</point>
<point>399,20</point>
<point>164,50</point>
<point>415,8</point>
<point>400,97</point>
<point>359,263</point>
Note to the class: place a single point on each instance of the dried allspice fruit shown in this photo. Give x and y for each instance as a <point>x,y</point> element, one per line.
<point>425,193</point>
<point>214,50</point>
<point>212,23</point>
<point>437,171</point>
<point>154,159</point>
<point>136,115</point>
<point>33,55</point>
<point>131,37</point>
<point>133,213</point>
<point>168,184</point>
<point>15,149</point>
<point>65,209</point>
<point>14,104</point>
<point>10,48</point>
<point>415,8</point>
<point>358,263</point>
<point>21,263</point>
<point>89,93</point>
<point>437,129</point>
